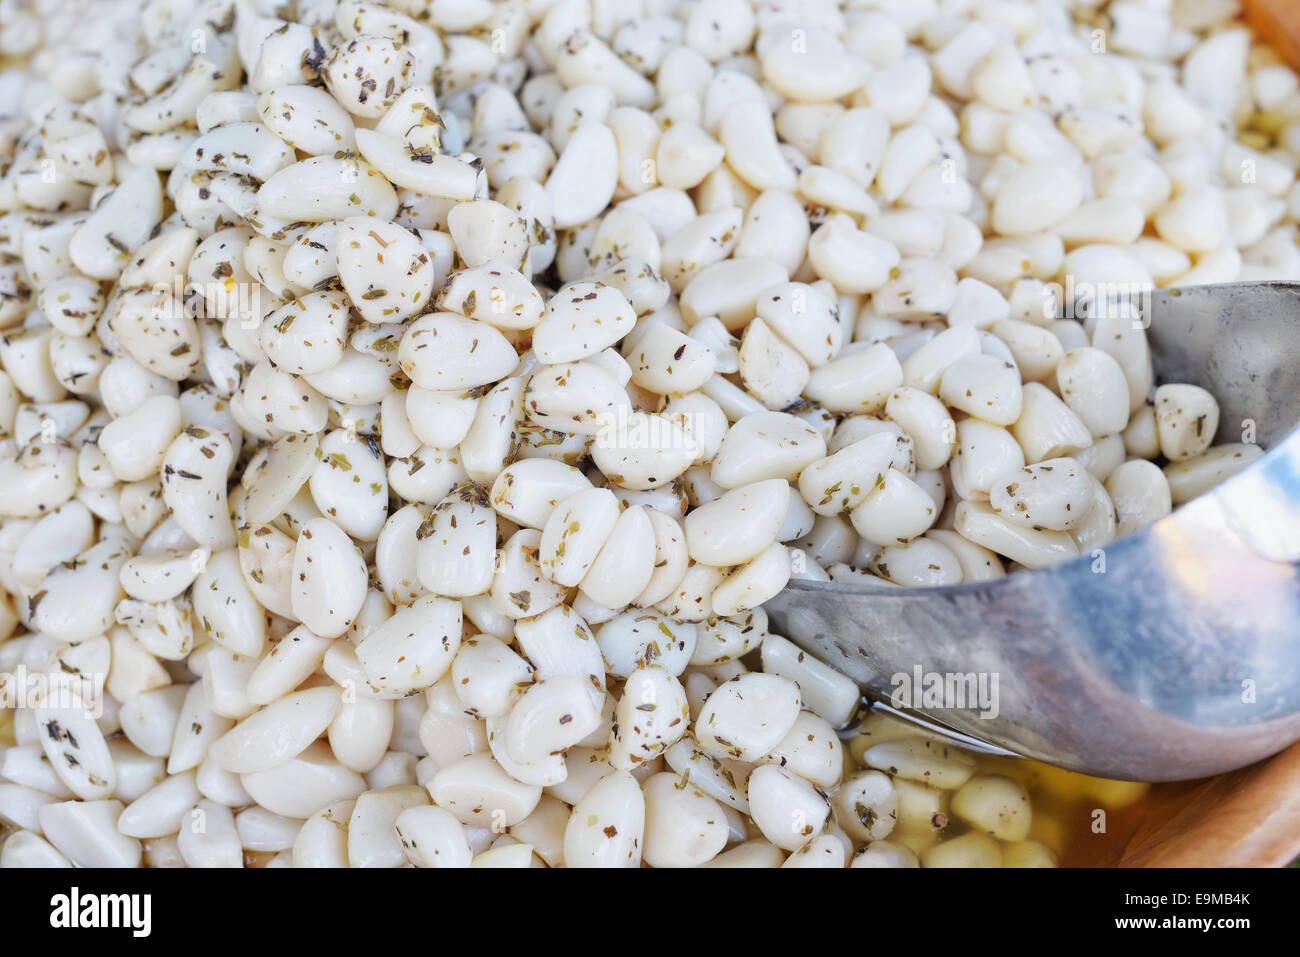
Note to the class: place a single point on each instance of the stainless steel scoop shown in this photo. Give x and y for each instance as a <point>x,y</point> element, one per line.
<point>1182,659</point>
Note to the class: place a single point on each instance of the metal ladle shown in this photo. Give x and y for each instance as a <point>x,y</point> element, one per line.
<point>1182,658</point>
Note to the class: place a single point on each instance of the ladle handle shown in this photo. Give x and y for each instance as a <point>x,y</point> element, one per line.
<point>1277,23</point>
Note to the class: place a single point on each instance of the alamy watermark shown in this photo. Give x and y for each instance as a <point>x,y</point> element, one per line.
<point>1098,300</point>
<point>58,689</point>
<point>221,298</point>
<point>936,690</point>
<point>627,430</point>
<point>133,912</point>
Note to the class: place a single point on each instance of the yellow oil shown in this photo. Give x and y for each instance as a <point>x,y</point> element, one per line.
<point>1085,821</point>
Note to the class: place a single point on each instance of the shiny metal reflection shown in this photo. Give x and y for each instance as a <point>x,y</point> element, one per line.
<point>1183,658</point>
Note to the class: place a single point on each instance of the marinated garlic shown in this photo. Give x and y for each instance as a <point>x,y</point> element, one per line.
<point>406,409</point>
